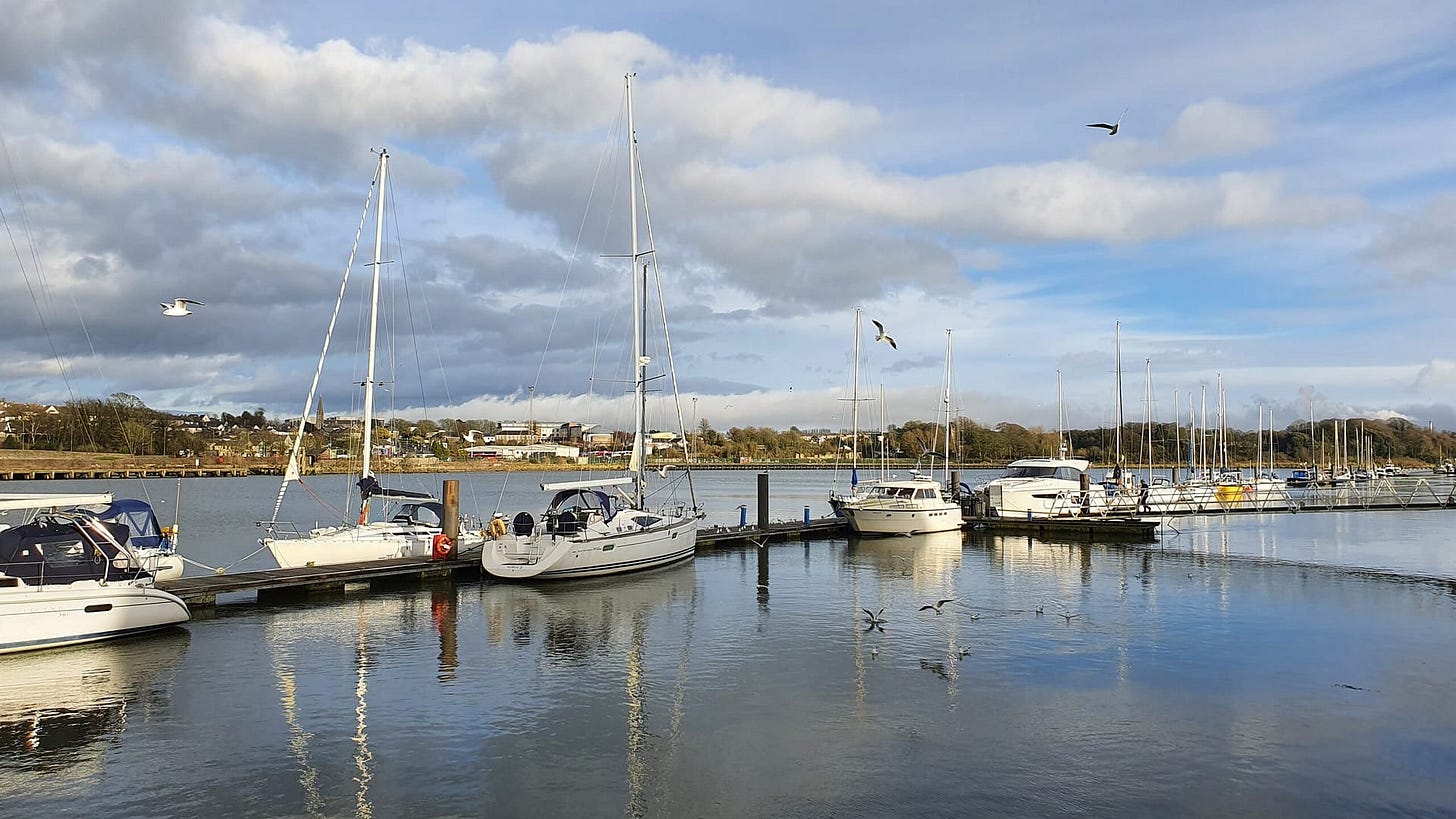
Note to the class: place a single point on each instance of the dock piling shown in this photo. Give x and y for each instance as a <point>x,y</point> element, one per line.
<point>450,494</point>
<point>763,500</point>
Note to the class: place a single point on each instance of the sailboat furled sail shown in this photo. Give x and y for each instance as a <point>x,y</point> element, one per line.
<point>410,532</point>
<point>587,531</point>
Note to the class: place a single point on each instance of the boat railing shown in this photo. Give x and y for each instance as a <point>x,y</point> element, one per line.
<point>282,530</point>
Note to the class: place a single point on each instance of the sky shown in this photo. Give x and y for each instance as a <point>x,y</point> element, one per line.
<point>1276,213</point>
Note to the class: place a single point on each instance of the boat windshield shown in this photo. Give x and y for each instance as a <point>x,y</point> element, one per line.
<point>893,492</point>
<point>1067,473</point>
<point>582,503</point>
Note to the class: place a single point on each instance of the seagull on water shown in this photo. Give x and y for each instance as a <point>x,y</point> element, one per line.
<point>1111,129</point>
<point>874,652</point>
<point>881,335</point>
<point>874,616</point>
<point>1041,609</point>
<point>178,307</point>
<point>935,607</point>
<point>1069,615</point>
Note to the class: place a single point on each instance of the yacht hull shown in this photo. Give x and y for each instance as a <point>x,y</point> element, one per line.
<point>48,616</point>
<point>879,520</point>
<point>556,557</point>
<point>357,544</point>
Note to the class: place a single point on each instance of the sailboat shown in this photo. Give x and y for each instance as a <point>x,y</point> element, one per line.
<point>857,490</point>
<point>918,505</point>
<point>413,528</point>
<point>586,529</point>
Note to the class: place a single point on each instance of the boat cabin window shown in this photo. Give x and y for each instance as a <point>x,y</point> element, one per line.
<point>421,514</point>
<point>1067,473</point>
<point>44,552</point>
<point>925,493</point>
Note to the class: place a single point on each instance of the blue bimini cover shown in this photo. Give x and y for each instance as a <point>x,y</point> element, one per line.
<point>140,519</point>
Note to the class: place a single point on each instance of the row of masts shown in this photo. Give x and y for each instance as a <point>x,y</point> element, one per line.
<point>1208,444</point>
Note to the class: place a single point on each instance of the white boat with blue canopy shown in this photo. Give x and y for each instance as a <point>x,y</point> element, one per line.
<point>67,577</point>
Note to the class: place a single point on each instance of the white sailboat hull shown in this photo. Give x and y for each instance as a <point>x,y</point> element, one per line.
<point>590,554</point>
<point>47,616</point>
<point>355,544</point>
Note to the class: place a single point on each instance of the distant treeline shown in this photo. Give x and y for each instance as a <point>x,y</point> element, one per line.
<point>1395,440</point>
<point>123,424</point>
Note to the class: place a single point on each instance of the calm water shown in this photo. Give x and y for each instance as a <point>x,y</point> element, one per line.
<point>1304,668</point>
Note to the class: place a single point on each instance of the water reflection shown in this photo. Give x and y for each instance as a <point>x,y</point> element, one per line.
<point>297,640</point>
<point>590,626</point>
<point>929,558</point>
<point>1038,556</point>
<point>62,709</point>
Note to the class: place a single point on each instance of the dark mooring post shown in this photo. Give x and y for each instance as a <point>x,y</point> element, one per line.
<point>763,500</point>
<point>955,484</point>
<point>451,524</point>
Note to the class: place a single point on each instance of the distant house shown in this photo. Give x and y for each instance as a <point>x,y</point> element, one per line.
<point>525,452</point>
<point>531,432</point>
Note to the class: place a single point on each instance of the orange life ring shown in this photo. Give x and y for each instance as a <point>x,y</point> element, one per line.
<point>440,547</point>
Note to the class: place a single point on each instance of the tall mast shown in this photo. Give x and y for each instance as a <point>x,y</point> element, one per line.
<point>1117,435</point>
<point>946,399</point>
<point>854,404</point>
<point>1061,420</point>
<point>884,433</point>
<point>367,471</point>
<point>1259,446</point>
<point>1177,443</point>
<point>1220,452</point>
<point>1148,412</point>
<point>639,317</point>
<point>1203,431</point>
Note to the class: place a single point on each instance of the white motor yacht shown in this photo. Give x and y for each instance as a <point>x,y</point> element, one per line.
<point>903,507</point>
<point>1041,488</point>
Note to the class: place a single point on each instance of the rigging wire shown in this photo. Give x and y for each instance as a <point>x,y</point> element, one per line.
<point>40,292</point>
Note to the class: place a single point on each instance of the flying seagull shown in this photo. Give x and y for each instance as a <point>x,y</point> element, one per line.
<point>935,607</point>
<point>178,307</point>
<point>1111,129</point>
<point>881,335</point>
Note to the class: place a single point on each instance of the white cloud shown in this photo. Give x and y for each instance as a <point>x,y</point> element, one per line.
<point>1419,245</point>
<point>166,147</point>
